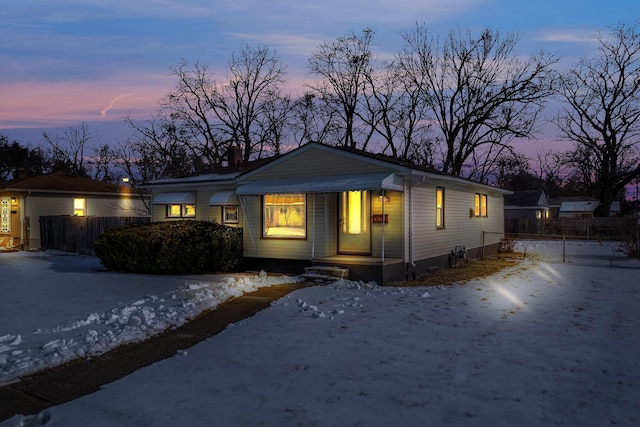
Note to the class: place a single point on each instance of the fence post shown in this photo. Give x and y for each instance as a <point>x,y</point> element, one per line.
<point>564,245</point>
<point>482,248</point>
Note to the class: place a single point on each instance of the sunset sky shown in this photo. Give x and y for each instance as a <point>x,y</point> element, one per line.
<point>64,62</point>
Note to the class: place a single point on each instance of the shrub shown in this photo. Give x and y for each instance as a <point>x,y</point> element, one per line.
<point>631,245</point>
<point>180,247</point>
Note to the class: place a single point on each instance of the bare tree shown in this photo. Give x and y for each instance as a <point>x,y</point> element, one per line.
<point>67,151</point>
<point>480,94</point>
<point>602,114</point>
<point>102,164</point>
<point>395,112</point>
<point>215,115</point>
<point>343,66</point>
<point>274,123</point>
<point>160,147</point>
<point>550,170</point>
<point>312,121</point>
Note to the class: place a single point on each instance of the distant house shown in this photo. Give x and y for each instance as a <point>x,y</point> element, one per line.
<point>582,207</point>
<point>24,200</point>
<point>325,207</point>
<point>530,204</point>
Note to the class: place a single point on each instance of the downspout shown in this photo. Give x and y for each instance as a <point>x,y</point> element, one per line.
<point>313,226</point>
<point>382,226</point>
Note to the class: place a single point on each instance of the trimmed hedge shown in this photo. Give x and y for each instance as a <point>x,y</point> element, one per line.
<point>176,247</point>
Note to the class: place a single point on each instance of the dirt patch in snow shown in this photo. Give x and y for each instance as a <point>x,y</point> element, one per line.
<point>474,269</point>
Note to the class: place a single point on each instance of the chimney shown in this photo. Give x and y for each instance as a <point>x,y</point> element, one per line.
<point>20,173</point>
<point>234,156</point>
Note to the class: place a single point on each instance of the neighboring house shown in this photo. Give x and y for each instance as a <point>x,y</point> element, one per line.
<point>24,200</point>
<point>380,218</point>
<point>584,208</point>
<point>529,204</point>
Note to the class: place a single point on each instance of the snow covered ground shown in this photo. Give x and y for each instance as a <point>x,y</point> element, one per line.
<point>542,343</point>
<point>56,307</point>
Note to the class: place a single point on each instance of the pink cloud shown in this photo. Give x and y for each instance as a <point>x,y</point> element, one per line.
<point>36,104</point>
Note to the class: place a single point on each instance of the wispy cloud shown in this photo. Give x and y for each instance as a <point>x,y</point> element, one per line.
<point>112,103</point>
<point>567,36</point>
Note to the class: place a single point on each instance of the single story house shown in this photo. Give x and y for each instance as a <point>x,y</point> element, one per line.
<point>584,208</point>
<point>376,217</point>
<point>529,204</point>
<point>25,199</point>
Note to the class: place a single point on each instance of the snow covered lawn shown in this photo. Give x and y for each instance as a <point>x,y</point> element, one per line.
<point>541,343</point>
<point>56,307</point>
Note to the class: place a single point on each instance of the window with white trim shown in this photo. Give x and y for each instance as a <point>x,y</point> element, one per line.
<point>284,216</point>
<point>230,214</point>
<point>79,206</point>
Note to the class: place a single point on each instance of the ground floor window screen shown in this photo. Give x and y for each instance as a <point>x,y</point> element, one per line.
<point>285,216</point>
<point>181,211</point>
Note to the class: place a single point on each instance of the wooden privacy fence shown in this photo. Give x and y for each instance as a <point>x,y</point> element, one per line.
<point>79,233</point>
<point>613,228</point>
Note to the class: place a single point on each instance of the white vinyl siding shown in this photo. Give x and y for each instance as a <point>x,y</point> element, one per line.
<point>393,230</point>
<point>461,229</point>
<point>321,210</point>
<point>204,212</point>
<point>306,164</point>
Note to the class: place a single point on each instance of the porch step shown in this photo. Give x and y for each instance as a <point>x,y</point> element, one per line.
<point>325,272</point>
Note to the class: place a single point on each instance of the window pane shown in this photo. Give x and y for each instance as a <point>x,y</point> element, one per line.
<point>440,207</point>
<point>174,211</point>
<point>285,215</point>
<point>476,205</point>
<point>189,211</point>
<point>230,214</point>
<point>79,206</point>
<point>484,205</point>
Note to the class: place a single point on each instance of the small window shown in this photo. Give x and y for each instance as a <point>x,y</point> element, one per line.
<point>440,207</point>
<point>181,211</point>
<point>480,205</point>
<point>476,205</point>
<point>230,214</point>
<point>79,207</point>
<point>284,216</point>
<point>189,211</point>
<point>174,211</point>
<point>483,209</point>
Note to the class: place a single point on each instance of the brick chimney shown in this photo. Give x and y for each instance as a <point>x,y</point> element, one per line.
<point>20,173</point>
<point>234,156</point>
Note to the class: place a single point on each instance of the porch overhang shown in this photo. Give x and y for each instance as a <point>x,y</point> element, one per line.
<point>323,184</point>
<point>175,198</point>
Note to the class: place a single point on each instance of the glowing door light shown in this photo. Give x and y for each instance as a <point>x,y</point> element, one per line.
<point>355,212</point>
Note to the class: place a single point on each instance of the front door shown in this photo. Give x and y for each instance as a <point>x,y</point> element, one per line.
<point>354,234</point>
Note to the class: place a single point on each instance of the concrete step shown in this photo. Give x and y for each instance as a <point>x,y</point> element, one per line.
<point>325,272</point>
